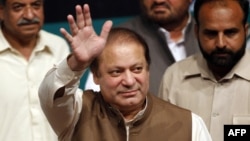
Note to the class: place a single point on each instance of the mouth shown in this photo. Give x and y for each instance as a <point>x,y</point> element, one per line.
<point>129,93</point>
<point>28,24</point>
<point>221,55</point>
<point>159,8</point>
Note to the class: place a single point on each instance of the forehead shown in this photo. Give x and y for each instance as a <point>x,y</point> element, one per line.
<point>230,5</point>
<point>122,53</point>
<point>178,3</point>
<point>22,1</point>
<point>172,1</point>
<point>226,12</point>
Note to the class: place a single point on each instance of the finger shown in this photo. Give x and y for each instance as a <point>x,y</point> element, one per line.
<point>66,35</point>
<point>105,29</point>
<point>87,15</point>
<point>80,17</point>
<point>72,25</point>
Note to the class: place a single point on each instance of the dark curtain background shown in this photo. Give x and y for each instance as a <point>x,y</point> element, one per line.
<point>57,10</point>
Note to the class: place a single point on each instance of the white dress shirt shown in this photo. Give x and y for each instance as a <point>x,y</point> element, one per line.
<point>21,116</point>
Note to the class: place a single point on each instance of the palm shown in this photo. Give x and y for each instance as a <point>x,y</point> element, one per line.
<point>85,43</point>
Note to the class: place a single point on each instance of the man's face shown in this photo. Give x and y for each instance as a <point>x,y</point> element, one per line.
<point>221,34</point>
<point>165,11</point>
<point>124,75</point>
<point>23,18</point>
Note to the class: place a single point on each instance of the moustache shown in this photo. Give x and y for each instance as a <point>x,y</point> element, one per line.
<point>221,51</point>
<point>163,4</point>
<point>26,21</point>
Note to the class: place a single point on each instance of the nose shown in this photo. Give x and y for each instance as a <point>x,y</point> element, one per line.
<point>159,0</point>
<point>28,12</point>
<point>128,78</point>
<point>221,41</point>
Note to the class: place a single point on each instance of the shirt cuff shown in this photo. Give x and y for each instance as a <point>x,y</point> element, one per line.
<point>66,75</point>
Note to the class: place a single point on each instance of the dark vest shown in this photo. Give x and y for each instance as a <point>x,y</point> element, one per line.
<point>161,121</point>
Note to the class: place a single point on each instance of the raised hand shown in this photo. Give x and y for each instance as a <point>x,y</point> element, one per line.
<point>85,43</point>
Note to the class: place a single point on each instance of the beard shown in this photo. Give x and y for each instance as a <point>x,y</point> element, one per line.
<point>164,18</point>
<point>223,57</point>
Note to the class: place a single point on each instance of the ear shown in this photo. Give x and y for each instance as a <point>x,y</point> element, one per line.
<point>196,31</point>
<point>96,78</point>
<point>246,29</point>
<point>1,11</point>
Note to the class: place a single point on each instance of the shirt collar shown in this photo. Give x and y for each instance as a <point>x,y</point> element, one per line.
<point>199,68</point>
<point>138,116</point>
<point>167,34</point>
<point>4,45</point>
<point>42,44</point>
<point>241,69</point>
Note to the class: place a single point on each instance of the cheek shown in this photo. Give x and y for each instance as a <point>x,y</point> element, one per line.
<point>109,88</point>
<point>147,3</point>
<point>11,23</point>
<point>237,43</point>
<point>143,80</point>
<point>40,14</point>
<point>206,44</point>
<point>15,17</point>
<point>110,82</point>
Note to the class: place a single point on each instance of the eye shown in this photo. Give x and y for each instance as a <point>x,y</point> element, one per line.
<point>137,69</point>
<point>210,33</point>
<point>115,73</point>
<point>37,5</point>
<point>17,7</point>
<point>231,32</point>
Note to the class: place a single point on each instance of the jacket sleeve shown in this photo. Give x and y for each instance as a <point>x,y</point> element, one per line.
<point>61,99</point>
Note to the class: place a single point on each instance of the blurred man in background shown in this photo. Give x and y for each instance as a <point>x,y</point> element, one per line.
<point>215,83</point>
<point>26,54</point>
